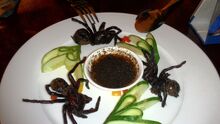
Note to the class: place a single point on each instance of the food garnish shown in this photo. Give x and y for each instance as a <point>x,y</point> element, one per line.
<point>125,39</point>
<point>91,36</point>
<point>129,109</point>
<point>57,57</point>
<point>74,102</point>
<point>117,93</point>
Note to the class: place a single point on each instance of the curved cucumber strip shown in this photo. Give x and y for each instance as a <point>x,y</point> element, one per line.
<point>151,40</point>
<point>124,117</point>
<point>51,54</point>
<point>137,90</point>
<point>130,47</point>
<point>146,103</point>
<point>53,63</point>
<point>134,39</point>
<point>132,122</point>
<point>64,55</point>
<point>124,102</point>
<point>130,112</point>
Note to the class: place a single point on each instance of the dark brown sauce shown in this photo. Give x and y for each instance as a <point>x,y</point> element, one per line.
<point>114,71</point>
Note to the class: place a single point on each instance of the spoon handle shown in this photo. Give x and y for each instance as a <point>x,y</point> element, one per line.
<point>170,3</point>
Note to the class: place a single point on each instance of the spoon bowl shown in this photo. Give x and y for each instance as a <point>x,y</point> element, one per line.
<point>149,20</point>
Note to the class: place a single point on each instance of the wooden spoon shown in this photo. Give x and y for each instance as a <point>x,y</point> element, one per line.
<point>150,19</point>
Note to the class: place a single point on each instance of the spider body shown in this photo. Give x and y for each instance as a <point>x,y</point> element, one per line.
<point>91,36</point>
<point>74,102</point>
<point>162,85</point>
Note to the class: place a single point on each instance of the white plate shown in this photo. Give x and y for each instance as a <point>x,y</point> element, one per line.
<point>200,85</point>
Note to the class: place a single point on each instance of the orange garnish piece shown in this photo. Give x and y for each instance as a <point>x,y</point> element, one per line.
<point>53,97</point>
<point>116,93</point>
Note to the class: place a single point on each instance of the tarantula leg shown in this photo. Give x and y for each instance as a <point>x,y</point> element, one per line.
<point>80,114</point>
<point>84,80</point>
<point>172,67</point>
<point>116,38</point>
<point>91,110</point>
<point>164,91</point>
<point>164,99</point>
<point>44,101</point>
<point>118,30</point>
<point>71,117</point>
<point>64,111</point>
<point>51,92</point>
<point>72,80</point>
<point>102,26</point>
<point>84,24</point>
<point>114,27</point>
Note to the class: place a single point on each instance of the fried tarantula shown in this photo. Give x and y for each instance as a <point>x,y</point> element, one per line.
<point>161,84</point>
<point>91,36</point>
<point>74,102</point>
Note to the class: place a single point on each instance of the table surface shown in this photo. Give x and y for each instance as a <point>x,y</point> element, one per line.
<point>33,16</point>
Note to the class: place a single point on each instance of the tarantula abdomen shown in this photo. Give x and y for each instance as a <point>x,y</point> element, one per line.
<point>82,37</point>
<point>58,84</point>
<point>172,88</point>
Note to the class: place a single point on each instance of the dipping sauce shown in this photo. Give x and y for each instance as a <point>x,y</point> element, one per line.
<point>114,70</point>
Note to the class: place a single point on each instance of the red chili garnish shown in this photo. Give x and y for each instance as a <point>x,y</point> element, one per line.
<point>125,39</point>
<point>53,97</point>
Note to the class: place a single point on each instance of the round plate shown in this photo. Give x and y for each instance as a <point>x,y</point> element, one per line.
<point>198,102</point>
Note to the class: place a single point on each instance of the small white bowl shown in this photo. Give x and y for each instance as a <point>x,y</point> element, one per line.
<point>113,50</point>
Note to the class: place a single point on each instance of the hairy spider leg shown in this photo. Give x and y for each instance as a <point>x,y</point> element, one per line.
<point>47,101</point>
<point>64,111</point>
<point>172,67</point>
<point>91,110</point>
<point>118,30</point>
<point>70,114</point>
<point>83,80</point>
<point>51,92</point>
<point>71,117</point>
<point>102,26</point>
<point>164,97</point>
<point>44,101</point>
<point>84,24</point>
<point>72,80</point>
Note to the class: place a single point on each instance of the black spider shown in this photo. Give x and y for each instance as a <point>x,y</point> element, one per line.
<point>74,102</point>
<point>91,36</point>
<point>162,84</point>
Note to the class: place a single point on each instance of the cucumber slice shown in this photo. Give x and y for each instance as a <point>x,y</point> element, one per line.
<point>151,40</point>
<point>59,56</point>
<point>51,54</point>
<point>53,63</point>
<point>130,112</point>
<point>144,45</point>
<point>130,118</point>
<point>138,89</point>
<point>146,103</point>
<point>139,121</point>
<point>124,102</point>
<point>130,47</point>
<point>134,39</point>
<point>69,64</point>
